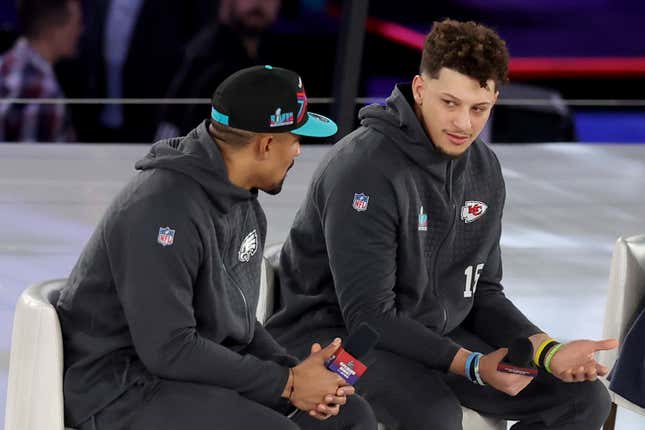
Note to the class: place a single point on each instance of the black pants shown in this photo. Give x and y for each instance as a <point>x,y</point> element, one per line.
<point>171,405</point>
<point>406,395</point>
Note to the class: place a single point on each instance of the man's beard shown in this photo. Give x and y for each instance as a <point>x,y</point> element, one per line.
<point>277,188</point>
<point>442,151</point>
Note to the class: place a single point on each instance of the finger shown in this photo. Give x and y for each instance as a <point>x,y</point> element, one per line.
<point>317,415</point>
<point>347,390</point>
<point>334,410</point>
<point>579,374</point>
<point>330,349</point>
<point>327,409</point>
<point>592,375</point>
<point>498,355</point>
<point>339,380</point>
<point>315,348</point>
<point>567,375</point>
<point>517,379</point>
<point>603,345</point>
<point>335,400</point>
<point>322,408</point>
<point>601,370</point>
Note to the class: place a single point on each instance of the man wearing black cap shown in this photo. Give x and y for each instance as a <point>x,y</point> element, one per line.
<point>158,316</point>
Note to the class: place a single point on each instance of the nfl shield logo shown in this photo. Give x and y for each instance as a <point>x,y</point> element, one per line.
<point>360,202</point>
<point>166,236</point>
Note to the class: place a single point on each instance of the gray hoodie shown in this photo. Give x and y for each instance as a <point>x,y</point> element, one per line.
<point>398,235</point>
<point>168,285</point>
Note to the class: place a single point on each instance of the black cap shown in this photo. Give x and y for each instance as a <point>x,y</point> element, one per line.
<point>266,99</point>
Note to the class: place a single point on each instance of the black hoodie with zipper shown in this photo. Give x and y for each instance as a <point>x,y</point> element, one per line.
<point>168,284</point>
<point>398,235</point>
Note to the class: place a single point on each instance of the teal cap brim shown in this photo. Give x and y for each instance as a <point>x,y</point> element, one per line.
<point>316,126</point>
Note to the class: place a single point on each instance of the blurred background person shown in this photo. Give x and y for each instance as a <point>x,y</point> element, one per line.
<point>131,49</point>
<point>237,39</point>
<point>50,32</point>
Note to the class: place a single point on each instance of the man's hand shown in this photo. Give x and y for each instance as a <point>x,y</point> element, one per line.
<point>508,383</point>
<point>316,389</point>
<point>332,403</point>
<point>575,361</point>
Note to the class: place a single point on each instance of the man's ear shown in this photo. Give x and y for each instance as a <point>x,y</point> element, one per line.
<point>418,87</point>
<point>263,145</point>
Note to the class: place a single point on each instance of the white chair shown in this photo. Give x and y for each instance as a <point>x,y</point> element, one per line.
<point>626,293</point>
<point>35,388</point>
<point>471,419</point>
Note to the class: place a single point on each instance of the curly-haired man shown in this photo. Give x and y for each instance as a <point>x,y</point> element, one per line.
<point>401,229</point>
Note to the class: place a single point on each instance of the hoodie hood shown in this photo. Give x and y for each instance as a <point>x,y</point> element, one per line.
<point>197,156</point>
<point>398,121</point>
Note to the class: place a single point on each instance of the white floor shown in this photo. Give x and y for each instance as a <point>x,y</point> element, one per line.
<point>566,205</point>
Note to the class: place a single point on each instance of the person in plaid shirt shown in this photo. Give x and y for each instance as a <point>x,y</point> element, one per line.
<point>51,31</point>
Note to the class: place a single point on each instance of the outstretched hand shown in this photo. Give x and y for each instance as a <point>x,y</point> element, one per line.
<point>575,361</point>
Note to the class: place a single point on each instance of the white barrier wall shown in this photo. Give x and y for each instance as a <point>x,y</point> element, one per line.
<point>566,205</point>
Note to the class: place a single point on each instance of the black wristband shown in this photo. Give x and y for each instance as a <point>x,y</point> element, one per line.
<point>544,352</point>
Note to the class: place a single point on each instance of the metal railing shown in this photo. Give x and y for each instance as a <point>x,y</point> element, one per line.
<point>321,100</point>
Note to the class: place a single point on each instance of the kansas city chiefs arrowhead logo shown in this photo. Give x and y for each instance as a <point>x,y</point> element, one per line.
<point>473,210</point>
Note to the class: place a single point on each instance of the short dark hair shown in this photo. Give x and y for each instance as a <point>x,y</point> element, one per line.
<point>468,48</point>
<point>234,137</point>
<point>36,15</point>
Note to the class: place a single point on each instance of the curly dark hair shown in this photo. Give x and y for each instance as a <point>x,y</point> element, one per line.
<point>468,48</point>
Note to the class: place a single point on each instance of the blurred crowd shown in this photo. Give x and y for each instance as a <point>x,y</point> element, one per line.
<point>140,70</point>
<point>125,49</point>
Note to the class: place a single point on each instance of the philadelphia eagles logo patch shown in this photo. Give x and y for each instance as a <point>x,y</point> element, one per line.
<point>249,247</point>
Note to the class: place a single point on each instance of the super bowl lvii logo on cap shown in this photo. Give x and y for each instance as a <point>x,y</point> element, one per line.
<point>278,119</point>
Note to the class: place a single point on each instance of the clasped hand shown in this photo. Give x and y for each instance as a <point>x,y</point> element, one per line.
<point>315,388</point>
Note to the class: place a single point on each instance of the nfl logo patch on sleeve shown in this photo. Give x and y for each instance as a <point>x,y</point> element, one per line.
<point>166,236</point>
<point>360,202</point>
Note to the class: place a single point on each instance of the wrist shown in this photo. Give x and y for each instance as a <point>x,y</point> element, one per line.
<point>537,340</point>
<point>459,362</point>
<point>549,356</point>
<point>287,393</point>
<point>545,352</point>
<point>471,368</point>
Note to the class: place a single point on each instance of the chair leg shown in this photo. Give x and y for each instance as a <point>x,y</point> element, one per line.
<point>611,418</point>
